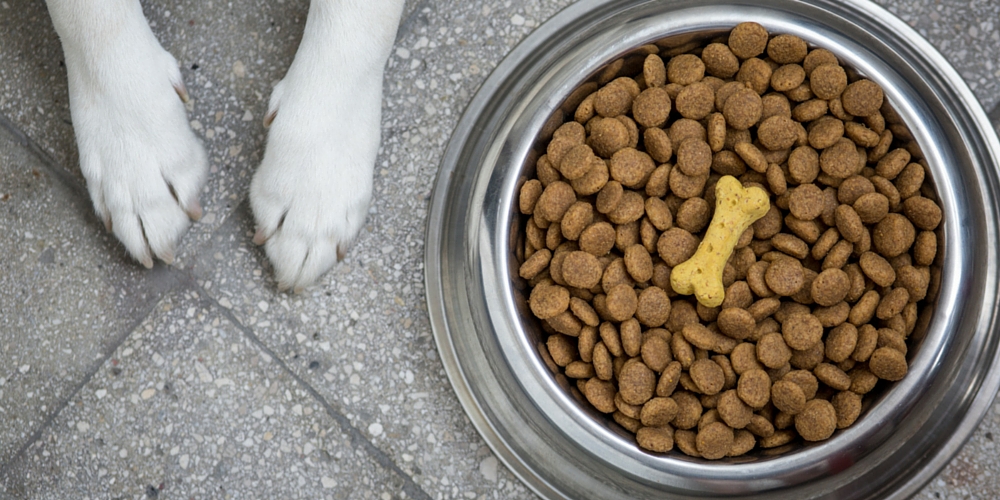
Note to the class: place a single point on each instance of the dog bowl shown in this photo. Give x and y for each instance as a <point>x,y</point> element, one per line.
<point>487,339</point>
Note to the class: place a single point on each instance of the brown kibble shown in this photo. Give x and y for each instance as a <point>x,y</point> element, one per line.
<point>629,423</point>
<point>817,421</point>
<point>530,192</point>
<point>787,77</point>
<point>887,363</point>
<point>577,218</point>
<point>593,181</point>
<point>631,334</point>
<point>849,223</point>
<point>892,163</point>
<point>577,162</point>
<point>597,239</point>
<point>772,350</point>
<point>686,186</point>
<point>608,136</point>
<point>602,362</point>
<point>816,58</point>
<point>658,412</point>
<point>695,101</point>
<point>685,69</point>
<point>923,212</point>
<point>652,107</point>
<point>688,410</point>
<point>535,264</point>
<point>581,270</point>
<point>653,307</point>
<point>784,276</point>
<point>806,202</point>
<point>787,49</point>
<point>719,60</point>
<point>828,81</point>
<point>636,382</point>
<point>736,323</point>
<point>743,109</point>
<point>629,209</point>
<point>655,353</point>
<point>658,144</point>
<point>548,301</point>
<point>788,397</point>
<point>871,207</point>
<point>579,370</point>
<point>910,180</point>
<point>803,165</point>
<point>862,98</point>
<point>840,161</point>
<point>583,310</point>
<point>733,411</point>
<point>841,342</point>
<point>756,74</point>
<point>621,302</point>
<point>631,167</point>
<point>707,375</point>
<point>656,439</point>
<point>676,246</point>
<point>561,349</point>
<point>825,132</point>
<point>925,248</point>
<point>612,101</point>
<point>714,441</point>
<point>638,263</point>
<point>893,235</point>
<point>847,407</point>
<point>754,388</point>
<point>683,129</point>
<point>609,197</point>
<point>778,132</point>
<point>748,40</point>
<point>830,287</point>
<point>753,157</point>
<point>877,268</point>
<point>693,215</point>
<point>554,201</point>
<point>685,441</point>
<point>566,323</point>
<point>801,331</point>
<point>600,394</point>
<point>654,71</point>
<point>703,338</point>
<point>810,110</point>
<point>832,376</point>
<point>892,303</point>
<point>694,157</point>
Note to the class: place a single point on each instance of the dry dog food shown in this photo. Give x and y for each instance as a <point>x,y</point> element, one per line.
<point>726,246</point>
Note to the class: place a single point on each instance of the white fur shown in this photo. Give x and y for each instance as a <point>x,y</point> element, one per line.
<point>310,195</point>
<point>137,151</point>
<point>311,192</point>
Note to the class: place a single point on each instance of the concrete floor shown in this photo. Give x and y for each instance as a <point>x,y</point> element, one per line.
<point>199,380</point>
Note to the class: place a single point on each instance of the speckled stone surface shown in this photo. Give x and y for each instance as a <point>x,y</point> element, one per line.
<point>200,380</point>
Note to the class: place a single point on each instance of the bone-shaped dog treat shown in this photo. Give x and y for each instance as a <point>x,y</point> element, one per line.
<point>735,209</point>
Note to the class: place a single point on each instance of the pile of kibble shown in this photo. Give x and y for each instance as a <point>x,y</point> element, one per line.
<point>821,294</point>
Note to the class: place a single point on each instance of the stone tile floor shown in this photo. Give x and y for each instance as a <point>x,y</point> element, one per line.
<point>199,380</point>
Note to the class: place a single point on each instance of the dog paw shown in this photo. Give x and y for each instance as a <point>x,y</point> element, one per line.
<point>143,165</point>
<point>310,194</point>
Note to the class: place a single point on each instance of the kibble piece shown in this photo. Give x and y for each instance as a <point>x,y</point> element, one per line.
<point>714,441</point>
<point>612,101</point>
<point>577,161</point>
<point>686,186</point>
<point>736,323</point>
<point>658,412</point>
<point>577,218</point>
<point>847,407</point>
<point>806,202</point>
<point>923,212</point>
<point>600,394</point>
<point>629,209</point>
<point>803,165</point>
<point>748,40</point>
<point>742,109</point>
<point>787,77</point>
<point>893,235</point>
<point>828,81</point>
<point>708,376</point>
<point>631,167</point>
<point>830,287</point>
<point>685,69</point>
<point>719,60</point>
<point>925,248</point>
<point>696,101</point>
<point>689,410</point>
<point>594,180</point>
<point>877,268</point>
<point>548,301</point>
<point>733,411</point>
<point>554,201</point>
<point>581,270</point>
<point>784,276</point>
<point>816,58</point>
<point>892,303</point>
<point>676,245</point>
<point>597,239</point>
<point>772,350</point>
<point>693,215</point>
<point>872,207</point>
<point>753,157</point>
<point>862,98</point>
<point>825,132</point>
<point>530,192</point>
<point>787,49</point>
<point>754,388</point>
<point>653,307</point>
<point>832,376</point>
<point>636,382</point>
<point>801,331</point>
<point>756,74</point>
<point>656,353</point>
<point>849,224</point>
<point>840,161</point>
<point>817,421</point>
<point>652,107</point>
<point>608,136</point>
<point>892,163</point>
<point>887,363</point>
<point>788,397</point>
<point>910,180</point>
<point>694,157</point>
<point>778,132</point>
<point>622,302</point>
<point>841,342</point>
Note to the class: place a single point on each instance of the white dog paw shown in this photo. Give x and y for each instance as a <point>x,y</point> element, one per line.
<point>311,192</point>
<point>143,165</point>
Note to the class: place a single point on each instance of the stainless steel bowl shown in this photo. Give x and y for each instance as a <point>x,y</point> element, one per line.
<point>487,343</point>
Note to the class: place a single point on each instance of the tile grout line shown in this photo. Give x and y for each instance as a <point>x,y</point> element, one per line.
<point>412,489</point>
<point>51,165</point>
<point>160,272</point>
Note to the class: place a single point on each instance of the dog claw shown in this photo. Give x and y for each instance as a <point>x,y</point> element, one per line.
<point>269,117</point>
<point>182,92</point>
<point>259,238</point>
<point>194,211</point>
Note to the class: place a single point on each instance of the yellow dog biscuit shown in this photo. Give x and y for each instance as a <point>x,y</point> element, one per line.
<point>735,209</point>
